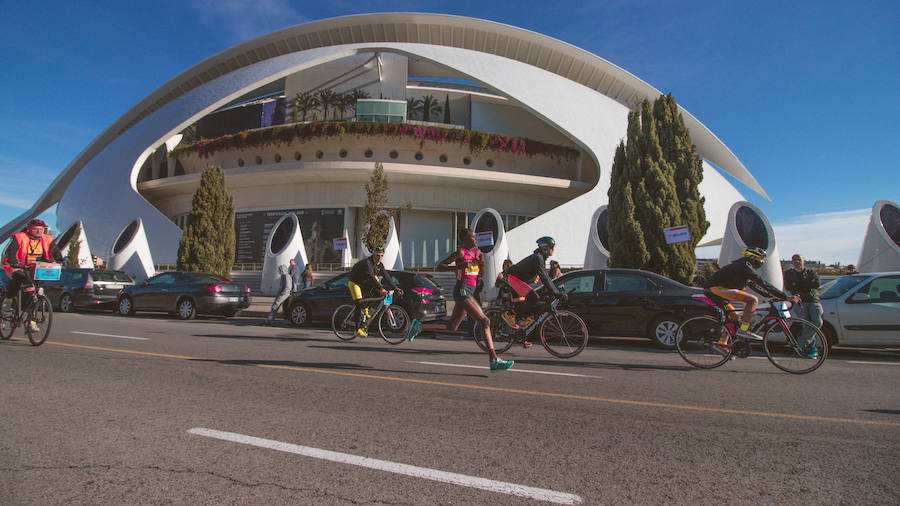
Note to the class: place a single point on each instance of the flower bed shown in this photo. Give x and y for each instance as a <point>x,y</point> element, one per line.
<point>478,142</point>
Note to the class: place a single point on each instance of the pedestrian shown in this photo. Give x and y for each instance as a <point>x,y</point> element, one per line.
<point>286,284</point>
<point>307,277</point>
<point>805,283</point>
<point>294,271</point>
<point>555,270</point>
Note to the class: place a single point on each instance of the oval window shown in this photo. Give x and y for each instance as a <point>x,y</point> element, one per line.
<point>443,158</point>
<point>368,153</point>
<point>490,163</point>
<point>297,155</point>
<point>342,153</point>
<point>419,156</point>
<point>319,154</point>
<point>277,158</point>
<point>394,154</point>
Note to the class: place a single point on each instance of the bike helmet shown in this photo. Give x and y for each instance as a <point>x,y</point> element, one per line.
<point>378,251</point>
<point>546,241</point>
<point>37,223</point>
<point>755,255</point>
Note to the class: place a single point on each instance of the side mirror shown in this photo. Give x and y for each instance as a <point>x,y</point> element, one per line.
<point>859,297</point>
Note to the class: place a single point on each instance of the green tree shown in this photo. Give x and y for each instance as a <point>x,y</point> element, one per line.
<point>446,117</point>
<point>326,99</point>
<point>357,95</point>
<point>208,243</point>
<point>375,214</point>
<point>430,107</point>
<point>302,104</point>
<point>654,183</point>
<point>74,247</point>
<point>413,107</point>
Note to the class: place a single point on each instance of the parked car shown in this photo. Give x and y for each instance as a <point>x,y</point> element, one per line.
<point>79,287</point>
<point>632,303</point>
<point>862,309</point>
<point>186,294</point>
<point>422,298</point>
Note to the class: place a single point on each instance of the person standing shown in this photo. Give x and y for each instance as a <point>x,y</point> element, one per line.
<point>805,283</point>
<point>286,285</point>
<point>555,270</point>
<point>307,277</point>
<point>294,271</point>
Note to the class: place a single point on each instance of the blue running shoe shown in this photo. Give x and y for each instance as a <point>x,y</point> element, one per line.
<point>499,364</point>
<point>812,353</point>
<point>414,328</point>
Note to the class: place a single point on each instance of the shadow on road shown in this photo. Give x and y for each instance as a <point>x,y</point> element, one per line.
<point>326,365</point>
<point>265,338</point>
<point>884,411</point>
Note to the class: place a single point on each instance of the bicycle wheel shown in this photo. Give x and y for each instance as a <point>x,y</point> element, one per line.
<point>696,340</point>
<point>393,324</point>
<point>41,315</point>
<point>343,322</point>
<point>789,342</point>
<point>7,317</point>
<point>502,334</point>
<point>564,336</point>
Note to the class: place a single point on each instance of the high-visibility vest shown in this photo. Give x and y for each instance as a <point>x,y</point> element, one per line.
<point>22,255</point>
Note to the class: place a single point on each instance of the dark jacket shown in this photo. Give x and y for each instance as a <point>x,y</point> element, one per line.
<point>533,266</point>
<point>738,275</point>
<point>804,283</point>
<point>365,274</point>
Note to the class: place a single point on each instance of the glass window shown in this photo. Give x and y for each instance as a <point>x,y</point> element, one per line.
<point>625,281</point>
<point>165,278</point>
<point>338,281</point>
<point>79,277</point>
<point>837,287</point>
<point>884,289</point>
<point>580,284</point>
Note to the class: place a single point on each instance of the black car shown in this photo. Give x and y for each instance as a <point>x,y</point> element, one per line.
<point>186,294</point>
<point>84,287</point>
<point>422,298</point>
<point>632,303</point>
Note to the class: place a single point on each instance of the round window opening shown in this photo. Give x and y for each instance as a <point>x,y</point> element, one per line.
<point>393,154</point>
<point>277,158</point>
<point>368,153</point>
<point>490,163</point>
<point>419,156</point>
<point>258,160</point>
<point>467,160</point>
<point>297,155</point>
<point>443,158</point>
<point>343,153</point>
<point>240,162</point>
<point>319,154</point>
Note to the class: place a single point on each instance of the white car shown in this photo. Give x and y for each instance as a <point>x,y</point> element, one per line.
<point>862,309</point>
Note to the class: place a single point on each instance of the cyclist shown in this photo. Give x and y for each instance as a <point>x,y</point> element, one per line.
<point>519,275</point>
<point>729,282</point>
<point>468,263</point>
<point>26,248</point>
<point>364,281</point>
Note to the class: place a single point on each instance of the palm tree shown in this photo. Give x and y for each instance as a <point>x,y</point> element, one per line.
<point>357,95</point>
<point>413,106</point>
<point>303,103</point>
<point>327,98</point>
<point>341,104</point>
<point>430,107</point>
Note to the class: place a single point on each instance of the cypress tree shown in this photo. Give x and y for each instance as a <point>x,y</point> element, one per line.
<point>207,244</point>
<point>654,183</point>
<point>447,108</point>
<point>376,221</point>
<point>74,247</point>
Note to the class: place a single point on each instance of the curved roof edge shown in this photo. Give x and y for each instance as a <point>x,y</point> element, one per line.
<point>507,41</point>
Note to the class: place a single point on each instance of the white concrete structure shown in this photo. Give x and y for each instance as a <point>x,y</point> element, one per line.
<point>514,82</point>
<point>392,259</point>
<point>64,242</point>
<point>597,254</point>
<point>881,248</point>
<point>131,253</point>
<point>489,220</point>
<point>748,226</point>
<point>284,243</point>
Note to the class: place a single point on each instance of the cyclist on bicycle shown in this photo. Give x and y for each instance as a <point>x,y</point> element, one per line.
<point>729,282</point>
<point>26,248</point>
<point>528,269</point>
<point>364,282</point>
<point>468,262</point>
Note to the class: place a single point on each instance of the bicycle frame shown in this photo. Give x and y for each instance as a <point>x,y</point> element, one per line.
<point>383,304</point>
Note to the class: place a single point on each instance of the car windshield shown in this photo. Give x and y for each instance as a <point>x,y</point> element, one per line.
<point>422,281</point>
<point>840,286</point>
<point>119,277</point>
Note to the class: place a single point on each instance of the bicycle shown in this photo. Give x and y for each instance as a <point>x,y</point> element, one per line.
<point>562,333</point>
<point>393,321</point>
<point>41,313</point>
<point>697,339</point>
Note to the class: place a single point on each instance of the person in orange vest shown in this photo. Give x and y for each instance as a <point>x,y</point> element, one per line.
<point>26,248</point>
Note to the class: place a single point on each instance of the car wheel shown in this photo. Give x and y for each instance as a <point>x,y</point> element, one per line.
<point>186,309</point>
<point>299,314</point>
<point>126,306</point>
<point>65,303</point>
<point>662,332</point>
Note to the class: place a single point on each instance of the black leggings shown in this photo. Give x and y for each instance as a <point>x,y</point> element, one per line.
<point>19,280</point>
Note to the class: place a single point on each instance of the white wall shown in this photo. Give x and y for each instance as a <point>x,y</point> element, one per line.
<point>426,236</point>
<point>488,116</point>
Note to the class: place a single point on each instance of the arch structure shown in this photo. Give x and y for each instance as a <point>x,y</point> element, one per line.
<point>475,75</point>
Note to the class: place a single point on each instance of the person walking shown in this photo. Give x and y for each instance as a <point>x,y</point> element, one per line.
<point>294,271</point>
<point>307,277</point>
<point>286,285</point>
<point>805,282</point>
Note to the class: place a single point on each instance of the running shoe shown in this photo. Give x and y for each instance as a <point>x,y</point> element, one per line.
<point>721,349</point>
<point>33,326</point>
<point>414,328</point>
<point>361,333</point>
<point>746,334</point>
<point>510,319</point>
<point>499,364</point>
<point>811,353</point>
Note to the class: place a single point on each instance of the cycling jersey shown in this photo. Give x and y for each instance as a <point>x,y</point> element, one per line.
<point>365,274</point>
<point>527,269</point>
<point>738,275</point>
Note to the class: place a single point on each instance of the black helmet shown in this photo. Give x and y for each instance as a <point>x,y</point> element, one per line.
<point>546,241</point>
<point>37,223</point>
<point>755,255</point>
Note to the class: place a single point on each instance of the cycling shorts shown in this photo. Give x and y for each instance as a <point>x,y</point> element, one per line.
<point>356,292</point>
<point>732,294</point>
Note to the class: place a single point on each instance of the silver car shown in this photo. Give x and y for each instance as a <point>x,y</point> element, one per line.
<point>862,309</point>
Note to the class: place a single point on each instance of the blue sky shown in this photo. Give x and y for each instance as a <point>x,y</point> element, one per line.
<point>804,93</point>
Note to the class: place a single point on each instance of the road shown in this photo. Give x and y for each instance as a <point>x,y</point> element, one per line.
<point>150,410</point>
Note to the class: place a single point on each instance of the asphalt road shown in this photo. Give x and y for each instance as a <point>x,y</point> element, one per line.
<point>150,410</point>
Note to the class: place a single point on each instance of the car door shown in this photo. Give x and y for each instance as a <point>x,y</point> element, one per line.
<point>626,298</point>
<point>582,290</point>
<point>152,295</point>
<point>871,313</point>
<point>333,294</point>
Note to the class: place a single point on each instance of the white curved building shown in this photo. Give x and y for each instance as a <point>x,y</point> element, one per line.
<point>550,116</point>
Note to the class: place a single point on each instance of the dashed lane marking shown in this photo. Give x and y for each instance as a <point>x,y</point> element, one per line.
<point>111,335</point>
<point>515,369</point>
<point>539,494</point>
<point>486,388</point>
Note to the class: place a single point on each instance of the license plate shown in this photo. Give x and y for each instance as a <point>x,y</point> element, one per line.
<point>234,299</point>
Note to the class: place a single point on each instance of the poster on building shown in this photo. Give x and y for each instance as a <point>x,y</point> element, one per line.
<point>319,227</point>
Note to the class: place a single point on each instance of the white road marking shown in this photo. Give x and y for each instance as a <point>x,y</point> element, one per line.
<point>111,335</point>
<point>508,370</point>
<point>463,480</point>
<point>867,362</point>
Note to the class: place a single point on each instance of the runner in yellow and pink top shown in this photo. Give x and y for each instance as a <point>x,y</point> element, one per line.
<point>469,265</point>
